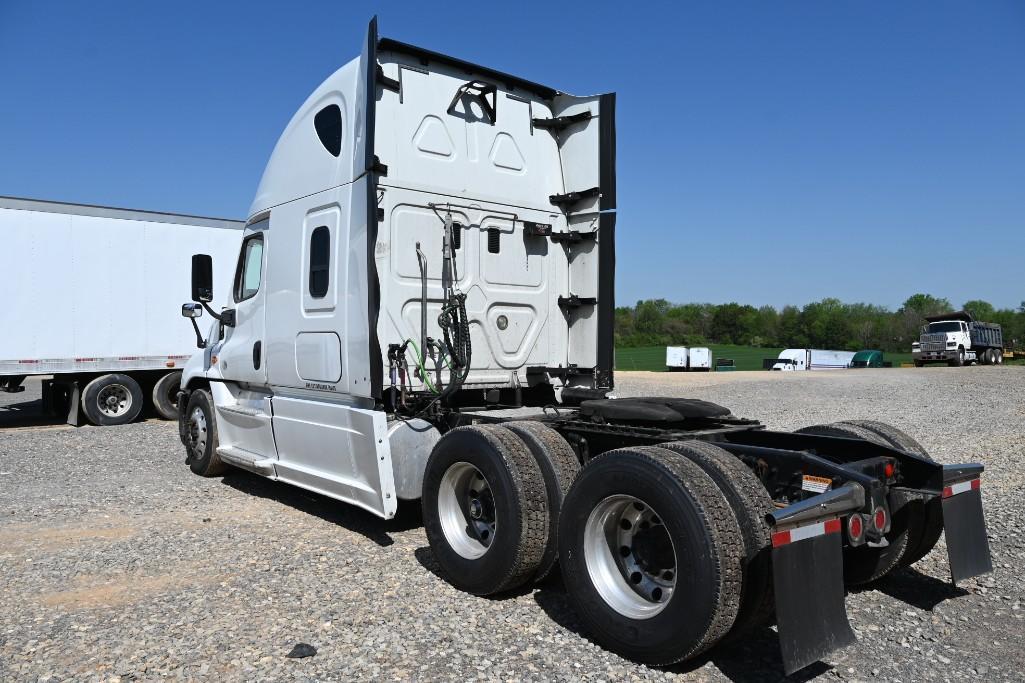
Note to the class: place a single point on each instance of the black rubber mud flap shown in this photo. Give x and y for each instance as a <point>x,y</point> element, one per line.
<point>965,527</point>
<point>810,610</point>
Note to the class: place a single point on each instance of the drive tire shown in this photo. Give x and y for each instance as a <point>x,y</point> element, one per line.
<point>865,564</point>
<point>200,431</point>
<point>750,502</point>
<point>999,356</point>
<point>165,395</point>
<point>559,467</point>
<point>111,400</point>
<point>512,493</point>
<point>931,525</point>
<point>706,545</point>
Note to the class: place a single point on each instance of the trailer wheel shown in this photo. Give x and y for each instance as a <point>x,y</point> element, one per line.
<point>165,395</point>
<point>651,555</point>
<point>201,435</point>
<point>485,510</point>
<point>559,467</point>
<point>931,524</point>
<point>113,399</point>
<point>864,564</point>
<point>751,503</point>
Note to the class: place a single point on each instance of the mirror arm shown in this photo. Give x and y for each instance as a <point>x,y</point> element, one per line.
<point>226,317</point>
<point>200,342</point>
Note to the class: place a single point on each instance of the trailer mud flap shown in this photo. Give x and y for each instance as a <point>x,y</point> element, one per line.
<point>807,566</point>
<point>965,528</point>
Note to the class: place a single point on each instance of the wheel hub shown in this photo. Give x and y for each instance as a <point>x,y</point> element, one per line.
<point>630,556</point>
<point>466,509</point>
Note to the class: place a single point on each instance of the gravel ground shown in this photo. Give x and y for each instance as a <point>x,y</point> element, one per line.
<point>117,562</point>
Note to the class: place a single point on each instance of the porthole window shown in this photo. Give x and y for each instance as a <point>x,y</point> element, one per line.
<point>328,123</point>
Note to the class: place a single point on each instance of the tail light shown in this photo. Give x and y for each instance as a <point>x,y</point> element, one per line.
<point>856,529</point>
<point>880,520</point>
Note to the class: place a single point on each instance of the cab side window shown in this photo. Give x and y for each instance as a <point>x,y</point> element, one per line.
<point>250,268</point>
<point>320,262</point>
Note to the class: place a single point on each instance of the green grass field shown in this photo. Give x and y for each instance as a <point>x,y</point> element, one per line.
<point>653,358</point>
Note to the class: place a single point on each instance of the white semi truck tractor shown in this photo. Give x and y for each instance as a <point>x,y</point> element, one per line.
<point>958,339</point>
<point>433,239</point>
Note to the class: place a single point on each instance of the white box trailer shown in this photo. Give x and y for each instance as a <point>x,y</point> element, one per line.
<point>813,359</point>
<point>93,297</point>
<point>700,359</point>
<point>676,358</point>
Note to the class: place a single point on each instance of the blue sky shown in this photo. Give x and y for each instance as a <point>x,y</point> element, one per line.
<point>769,153</point>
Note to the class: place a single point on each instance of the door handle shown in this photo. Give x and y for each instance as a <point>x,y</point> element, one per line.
<point>257,347</point>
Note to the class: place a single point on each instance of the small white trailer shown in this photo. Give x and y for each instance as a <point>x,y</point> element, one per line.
<point>700,359</point>
<point>93,297</point>
<point>676,358</point>
<point>813,359</point>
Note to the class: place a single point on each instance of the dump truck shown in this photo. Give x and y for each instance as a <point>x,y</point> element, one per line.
<point>433,239</point>
<point>103,364</point>
<point>958,339</point>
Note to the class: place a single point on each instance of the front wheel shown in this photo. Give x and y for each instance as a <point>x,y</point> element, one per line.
<point>200,435</point>
<point>651,555</point>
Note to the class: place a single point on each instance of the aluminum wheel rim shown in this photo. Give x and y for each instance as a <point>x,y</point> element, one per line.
<point>466,509</point>
<point>114,400</point>
<point>197,432</point>
<point>630,557</point>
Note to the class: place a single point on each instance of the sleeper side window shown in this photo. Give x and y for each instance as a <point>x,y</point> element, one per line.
<point>250,268</point>
<point>320,262</point>
<point>328,123</point>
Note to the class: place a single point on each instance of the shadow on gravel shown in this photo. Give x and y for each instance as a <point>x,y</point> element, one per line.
<point>426,559</point>
<point>348,516</point>
<point>751,659</point>
<point>916,589</point>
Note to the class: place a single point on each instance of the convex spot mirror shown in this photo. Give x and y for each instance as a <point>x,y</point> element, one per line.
<point>192,311</point>
<point>202,279</point>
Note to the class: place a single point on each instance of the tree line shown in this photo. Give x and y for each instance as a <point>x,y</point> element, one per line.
<point>826,324</point>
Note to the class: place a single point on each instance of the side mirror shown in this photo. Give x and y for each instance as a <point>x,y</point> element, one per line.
<point>192,311</point>
<point>202,279</point>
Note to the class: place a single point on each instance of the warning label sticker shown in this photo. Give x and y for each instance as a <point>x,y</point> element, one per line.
<point>815,484</point>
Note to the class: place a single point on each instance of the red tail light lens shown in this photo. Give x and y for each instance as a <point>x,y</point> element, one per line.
<point>888,469</point>
<point>879,519</point>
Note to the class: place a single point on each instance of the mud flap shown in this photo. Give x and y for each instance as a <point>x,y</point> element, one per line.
<point>965,527</point>
<point>810,610</point>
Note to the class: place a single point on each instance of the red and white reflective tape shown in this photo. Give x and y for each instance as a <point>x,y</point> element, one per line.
<point>961,487</point>
<point>830,526</point>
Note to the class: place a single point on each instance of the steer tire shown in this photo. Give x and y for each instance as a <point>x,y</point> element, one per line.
<point>705,543</point>
<point>200,435</point>
<point>512,494</point>
<point>559,467</point>
<point>165,395</point>
<point>865,563</point>
<point>111,400</point>
<point>751,503</point>
<point>931,525</point>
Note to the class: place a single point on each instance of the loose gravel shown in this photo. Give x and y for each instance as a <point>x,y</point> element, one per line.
<point>117,562</point>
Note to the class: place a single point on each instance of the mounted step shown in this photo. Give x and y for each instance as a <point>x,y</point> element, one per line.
<point>567,200</point>
<point>245,460</point>
<point>558,123</point>
<point>573,301</point>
